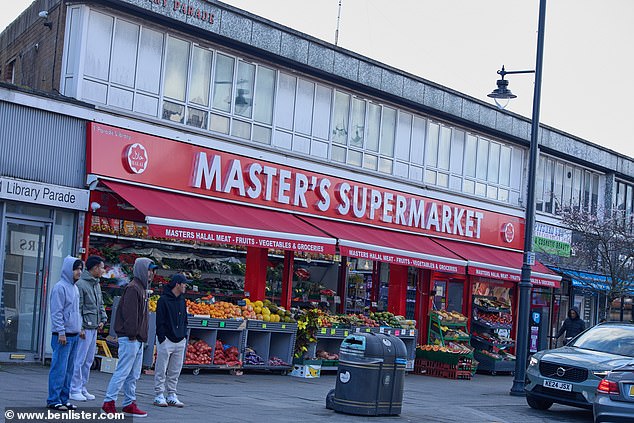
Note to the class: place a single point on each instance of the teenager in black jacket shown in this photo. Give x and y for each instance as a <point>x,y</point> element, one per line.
<point>171,331</point>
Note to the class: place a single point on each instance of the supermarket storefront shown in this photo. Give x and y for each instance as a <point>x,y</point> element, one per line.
<point>404,245</point>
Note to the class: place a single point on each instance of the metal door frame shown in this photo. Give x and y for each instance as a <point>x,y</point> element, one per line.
<point>41,275</point>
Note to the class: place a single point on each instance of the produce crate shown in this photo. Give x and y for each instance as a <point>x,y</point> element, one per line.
<point>308,369</point>
<point>209,323</point>
<point>333,332</point>
<point>442,357</point>
<point>272,326</point>
<point>445,370</point>
<point>489,364</point>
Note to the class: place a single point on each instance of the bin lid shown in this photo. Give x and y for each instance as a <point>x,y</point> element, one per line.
<point>375,345</point>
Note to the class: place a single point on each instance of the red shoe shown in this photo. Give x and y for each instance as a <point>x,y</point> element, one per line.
<point>133,410</point>
<point>109,407</point>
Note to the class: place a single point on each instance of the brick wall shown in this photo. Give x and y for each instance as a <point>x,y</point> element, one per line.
<point>30,47</point>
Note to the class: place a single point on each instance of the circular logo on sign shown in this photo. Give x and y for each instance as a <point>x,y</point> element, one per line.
<point>344,377</point>
<point>135,158</point>
<point>508,232</point>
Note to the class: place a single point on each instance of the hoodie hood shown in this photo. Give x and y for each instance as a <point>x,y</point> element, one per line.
<point>141,266</point>
<point>67,269</point>
<point>576,310</point>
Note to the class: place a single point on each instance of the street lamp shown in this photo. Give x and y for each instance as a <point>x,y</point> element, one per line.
<point>503,93</point>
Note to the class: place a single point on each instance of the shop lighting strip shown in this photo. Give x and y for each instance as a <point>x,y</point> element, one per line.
<point>151,220</point>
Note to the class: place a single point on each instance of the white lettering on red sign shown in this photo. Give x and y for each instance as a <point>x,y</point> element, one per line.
<point>290,187</point>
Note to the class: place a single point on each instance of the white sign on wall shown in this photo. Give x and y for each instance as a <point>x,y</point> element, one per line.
<point>44,194</point>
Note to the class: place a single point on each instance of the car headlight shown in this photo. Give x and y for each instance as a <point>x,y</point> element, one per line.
<point>601,374</point>
<point>532,362</point>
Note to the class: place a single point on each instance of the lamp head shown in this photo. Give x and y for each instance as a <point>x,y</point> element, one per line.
<point>502,94</point>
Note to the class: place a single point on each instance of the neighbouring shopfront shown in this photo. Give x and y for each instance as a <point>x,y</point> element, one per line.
<point>39,227</point>
<point>42,206</point>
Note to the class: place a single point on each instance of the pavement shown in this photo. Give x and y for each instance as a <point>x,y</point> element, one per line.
<point>220,397</point>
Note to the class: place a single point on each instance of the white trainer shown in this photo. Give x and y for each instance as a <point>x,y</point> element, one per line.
<point>88,395</point>
<point>77,396</point>
<point>159,401</point>
<point>174,401</point>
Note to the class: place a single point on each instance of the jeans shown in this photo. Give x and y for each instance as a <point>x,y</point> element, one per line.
<point>85,356</point>
<point>169,359</point>
<point>127,372</point>
<point>61,373</point>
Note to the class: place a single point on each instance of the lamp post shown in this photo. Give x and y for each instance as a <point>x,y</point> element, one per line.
<point>503,93</point>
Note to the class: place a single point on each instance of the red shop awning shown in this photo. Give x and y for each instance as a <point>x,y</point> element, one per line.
<point>500,264</point>
<point>359,241</point>
<point>185,217</point>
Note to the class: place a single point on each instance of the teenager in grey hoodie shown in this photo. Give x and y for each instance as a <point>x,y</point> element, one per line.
<point>66,325</point>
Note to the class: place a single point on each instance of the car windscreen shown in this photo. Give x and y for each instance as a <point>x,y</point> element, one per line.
<point>610,339</point>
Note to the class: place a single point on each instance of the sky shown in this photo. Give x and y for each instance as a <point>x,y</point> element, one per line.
<point>587,87</point>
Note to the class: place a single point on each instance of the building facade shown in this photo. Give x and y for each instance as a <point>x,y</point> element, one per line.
<point>285,145</point>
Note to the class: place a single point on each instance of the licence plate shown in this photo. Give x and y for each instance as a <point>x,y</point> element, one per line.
<point>562,386</point>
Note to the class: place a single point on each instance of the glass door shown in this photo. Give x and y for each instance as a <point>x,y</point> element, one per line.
<point>21,286</point>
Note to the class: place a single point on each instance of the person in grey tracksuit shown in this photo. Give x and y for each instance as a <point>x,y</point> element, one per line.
<point>65,325</point>
<point>94,318</point>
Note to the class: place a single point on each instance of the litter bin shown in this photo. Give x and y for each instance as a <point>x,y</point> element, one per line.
<point>370,376</point>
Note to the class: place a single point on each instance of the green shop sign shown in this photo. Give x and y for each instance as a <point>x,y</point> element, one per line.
<point>552,240</point>
<point>551,246</point>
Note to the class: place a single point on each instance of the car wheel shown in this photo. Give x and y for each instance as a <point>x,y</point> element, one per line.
<point>538,404</point>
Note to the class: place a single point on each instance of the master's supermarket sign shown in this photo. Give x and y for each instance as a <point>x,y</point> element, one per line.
<point>204,171</point>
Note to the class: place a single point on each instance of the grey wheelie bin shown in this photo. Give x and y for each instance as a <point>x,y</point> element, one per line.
<point>370,376</point>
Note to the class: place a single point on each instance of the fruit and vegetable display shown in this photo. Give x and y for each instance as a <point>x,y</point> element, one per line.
<point>491,303</point>
<point>326,320</point>
<point>500,355</point>
<point>449,349</point>
<point>494,338</point>
<point>225,354</point>
<point>219,310</point>
<point>257,310</point>
<point>277,362</point>
<point>197,352</point>
<point>152,301</point>
<point>251,358</point>
<point>492,318</point>
<point>449,316</point>
<point>325,355</point>
<point>454,333</point>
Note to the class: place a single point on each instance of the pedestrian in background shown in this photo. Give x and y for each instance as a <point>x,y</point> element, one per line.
<point>573,325</point>
<point>94,318</point>
<point>131,327</point>
<point>171,332</point>
<point>66,325</point>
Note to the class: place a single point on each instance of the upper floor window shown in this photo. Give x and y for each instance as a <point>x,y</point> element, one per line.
<point>133,67</point>
<point>625,202</point>
<point>9,72</point>
<point>561,184</point>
